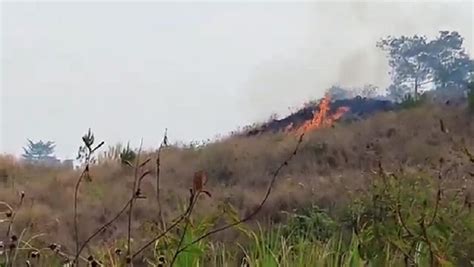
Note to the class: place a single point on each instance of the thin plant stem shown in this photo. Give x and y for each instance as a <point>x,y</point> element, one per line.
<point>194,199</point>
<point>132,198</point>
<point>259,207</point>
<point>158,187</point>
<point>102,228</point>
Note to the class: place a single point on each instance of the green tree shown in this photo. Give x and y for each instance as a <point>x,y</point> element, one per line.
<point>416,61</point>
<point>451,63</point>
<point>398,92</point>
<point>408,61</point>
<point>38,151</point>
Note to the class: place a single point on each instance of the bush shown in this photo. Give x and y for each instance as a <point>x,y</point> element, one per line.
<point>415,215</point>
<point>311,223</point>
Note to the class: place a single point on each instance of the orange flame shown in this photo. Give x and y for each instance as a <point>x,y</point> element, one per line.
<point>322,118</point>
<point>339,113</point>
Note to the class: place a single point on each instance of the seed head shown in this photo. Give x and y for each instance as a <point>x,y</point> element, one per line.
<point>118,251</point>
<point>161,259</point>
<point>34,254</point>
<point>54,247</point>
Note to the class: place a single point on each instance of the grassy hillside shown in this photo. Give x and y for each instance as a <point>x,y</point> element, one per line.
<point>394,189</point>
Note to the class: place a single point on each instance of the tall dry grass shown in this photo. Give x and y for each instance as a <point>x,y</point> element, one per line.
<point>331,167</point>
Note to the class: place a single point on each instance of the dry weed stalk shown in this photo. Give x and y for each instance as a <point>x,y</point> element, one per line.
<point>164,143</point>
<point>101,229</point>
<point>259,207</point>
<point>12,248</point>
<point>139,175</point>
<point>418,232</point>
<point>198,184</point>
<point>86,154</point>
<point>132,198</point>
<point>13,214</point>
<point>135,194</point>
<point>200,180</point>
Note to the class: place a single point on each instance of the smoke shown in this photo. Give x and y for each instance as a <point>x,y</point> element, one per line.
<point>340,48</point>
<point>196,69</point>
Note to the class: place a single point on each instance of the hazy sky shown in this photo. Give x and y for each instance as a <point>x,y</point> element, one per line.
<point>130,70</point>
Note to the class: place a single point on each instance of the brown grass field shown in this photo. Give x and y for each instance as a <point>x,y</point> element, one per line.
<point>332,166</point>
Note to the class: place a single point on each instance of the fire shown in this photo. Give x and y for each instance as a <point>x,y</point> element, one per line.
<point>322,118</point>
<point>339,113</point>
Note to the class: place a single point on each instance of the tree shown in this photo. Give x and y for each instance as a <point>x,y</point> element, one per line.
<point>453,67</point>
<point>415,61</point>
<point>408,60</point>
<point>38,151</point>
<point>397,93</point>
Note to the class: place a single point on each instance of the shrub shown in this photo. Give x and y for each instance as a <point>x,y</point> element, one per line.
<point>311,223</point>
<point>415,215</point>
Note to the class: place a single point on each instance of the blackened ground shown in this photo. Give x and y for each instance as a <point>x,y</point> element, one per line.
<point>358,108</point>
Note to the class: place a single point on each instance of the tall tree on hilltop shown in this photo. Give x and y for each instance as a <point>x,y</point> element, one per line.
<point>415,61</point>
<point>452,66</point>
<point>408,60</point>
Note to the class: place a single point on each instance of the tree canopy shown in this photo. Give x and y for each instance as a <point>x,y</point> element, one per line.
<point>416,61</point>
<point>38,151</point>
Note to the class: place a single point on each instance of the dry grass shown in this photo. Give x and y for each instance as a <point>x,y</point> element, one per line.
<point>331,166</point>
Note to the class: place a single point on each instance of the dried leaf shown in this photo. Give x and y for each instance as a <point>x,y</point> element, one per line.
<point>200,179</point>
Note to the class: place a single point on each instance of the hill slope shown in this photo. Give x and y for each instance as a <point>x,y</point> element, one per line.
<point>331,166</point>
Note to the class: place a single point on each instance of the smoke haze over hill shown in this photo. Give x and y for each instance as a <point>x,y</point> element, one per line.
<point>130,70</point>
